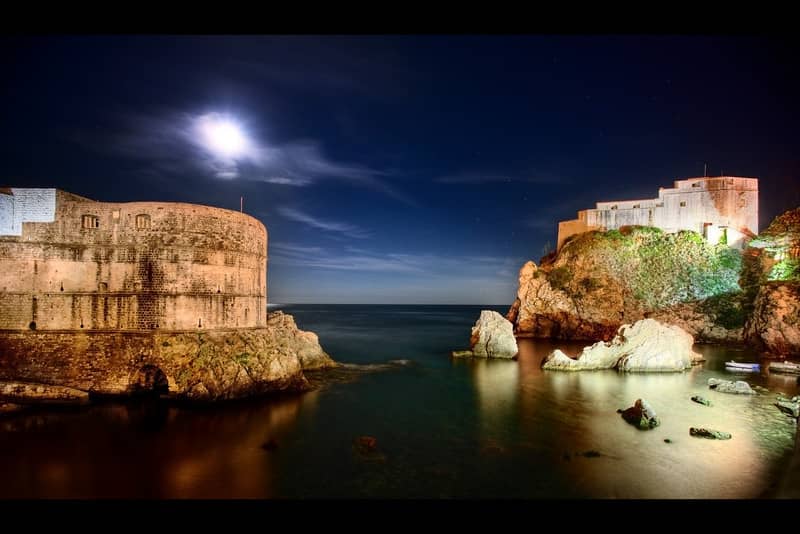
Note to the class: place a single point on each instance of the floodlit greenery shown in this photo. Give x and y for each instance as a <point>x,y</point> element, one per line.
<point>786,270</point>
<point>660,269</point>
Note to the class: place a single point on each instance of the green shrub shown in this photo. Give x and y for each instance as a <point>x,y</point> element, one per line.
<point>590,284</point>
<point>560,277</point>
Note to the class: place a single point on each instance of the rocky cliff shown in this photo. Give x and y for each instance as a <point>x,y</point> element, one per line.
<point>212,365</point>
<point>771,284</point>
<point>601,280</point>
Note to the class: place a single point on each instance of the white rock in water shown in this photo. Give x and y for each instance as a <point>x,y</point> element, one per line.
<point>740,387</point>
<point>647,346</point>
<point>493,336</point>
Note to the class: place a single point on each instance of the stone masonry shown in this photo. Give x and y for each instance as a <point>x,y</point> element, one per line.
<point>714,207</point>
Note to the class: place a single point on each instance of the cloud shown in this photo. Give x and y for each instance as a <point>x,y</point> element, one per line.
<point>433,266</point>
<point>170,144</point>
<point>346,229</point>
<point>475,178</point>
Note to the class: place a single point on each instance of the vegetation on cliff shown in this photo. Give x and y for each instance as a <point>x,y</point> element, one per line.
<point>658,269</point>
<point>601,280</point>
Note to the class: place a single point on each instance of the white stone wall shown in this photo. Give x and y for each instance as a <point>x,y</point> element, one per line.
<point>700,204</point>
<point>26,205</point>
<point>6,214</point>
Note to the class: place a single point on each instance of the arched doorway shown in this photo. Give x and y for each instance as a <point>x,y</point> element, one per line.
<point>150,380</point>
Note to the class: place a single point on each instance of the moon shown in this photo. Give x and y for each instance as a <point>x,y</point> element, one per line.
<point>223,136</point>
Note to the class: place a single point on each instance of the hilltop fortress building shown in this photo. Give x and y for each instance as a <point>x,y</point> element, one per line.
<point>714,207</point>
<point>111,297</point>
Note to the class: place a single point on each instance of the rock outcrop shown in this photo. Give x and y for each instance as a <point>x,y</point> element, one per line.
<point>775,323</point>
<point>645,346</point>
<point>492,337</point>
<point>601,280</point>
<point>641,415</point>
<point>32,393</point>
<point>739,387</point>
<point>708,434</point>
<point>305,344</point>
<point>203,366</point>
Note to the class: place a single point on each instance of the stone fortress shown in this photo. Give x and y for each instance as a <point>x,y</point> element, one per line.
<point>712,206</point>
<point>70,263</point>
<point>111,297</point>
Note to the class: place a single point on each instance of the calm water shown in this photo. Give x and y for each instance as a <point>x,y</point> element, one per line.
<point>444,428</point>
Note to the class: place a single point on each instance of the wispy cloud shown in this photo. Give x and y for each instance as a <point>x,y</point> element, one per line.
<point>346,229</point>
<point>169,144</point>
<point>421,265</point>
<point>488,177</point>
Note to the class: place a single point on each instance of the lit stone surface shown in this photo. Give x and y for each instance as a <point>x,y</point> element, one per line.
<point>713,207</point>
<point>645,346</point>
<point>105,291</point>
<point>493,336</point>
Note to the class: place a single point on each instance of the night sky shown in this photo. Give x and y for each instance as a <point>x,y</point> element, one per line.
<point>402,169</point>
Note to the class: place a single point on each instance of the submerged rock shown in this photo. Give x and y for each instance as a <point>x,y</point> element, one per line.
<point>645,346</point>
<point>740,387</point>
<point>366,444</point>
<point>700,400</point>
<point>493,336</point>
<point>462,354</point>
<point>708,434</point>
<point>33,393</point>
<point>269,445</point>
<point>789,407</point>
<point>641,415</point>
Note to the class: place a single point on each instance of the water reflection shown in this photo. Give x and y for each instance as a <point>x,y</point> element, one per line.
<point>496,383</point>
<point>563,415</point>
<point>443,428</point>
<point>149,450</point>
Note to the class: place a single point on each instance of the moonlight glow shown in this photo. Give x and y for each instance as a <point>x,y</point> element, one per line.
<point>222,136</point>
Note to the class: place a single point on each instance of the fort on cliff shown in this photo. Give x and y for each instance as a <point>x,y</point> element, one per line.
<point>108,297</point>
<point>714,207</point>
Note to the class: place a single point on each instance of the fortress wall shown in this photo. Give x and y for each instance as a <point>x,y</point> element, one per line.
<point>193,266</point>
<point>699,204</point>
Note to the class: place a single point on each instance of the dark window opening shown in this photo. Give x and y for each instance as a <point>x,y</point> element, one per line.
<point>683,204</point>
<point>142,222</point>
<point>150,380</point>
<point>90,221</point>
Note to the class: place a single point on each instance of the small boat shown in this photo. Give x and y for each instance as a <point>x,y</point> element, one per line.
<point>785,367</point>
<point>742,366</point>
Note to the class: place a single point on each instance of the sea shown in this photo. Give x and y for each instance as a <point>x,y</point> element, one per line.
<point>401,419</point>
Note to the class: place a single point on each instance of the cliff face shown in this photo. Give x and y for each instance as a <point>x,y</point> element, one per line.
<point>775,324</point>
<point>602,280</point>
<point>772,286</point>
<point>212,365</point>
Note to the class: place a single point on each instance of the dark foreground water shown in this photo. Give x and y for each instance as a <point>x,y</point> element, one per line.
<point>443,428</point>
